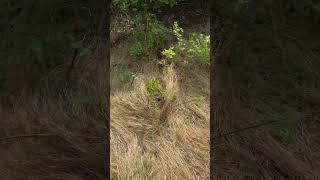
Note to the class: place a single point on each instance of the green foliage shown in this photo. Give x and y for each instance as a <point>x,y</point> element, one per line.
<point>137,50</point>
<point>169,53</point>
<point>149,33</point>
<point>157,34</point>
<point>155,37</point>
<point>150,42</point>
<point>178,31</point>
<point>142,16</point>
<point>142,5</point>
<point>196,47</point>
<point>153,87</point>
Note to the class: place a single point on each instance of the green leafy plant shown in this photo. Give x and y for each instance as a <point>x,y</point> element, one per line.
<point>169,53</point>
<point>153,87</point>
<point>137,50</point>
<point>199,47</point>
<point>196,47</point>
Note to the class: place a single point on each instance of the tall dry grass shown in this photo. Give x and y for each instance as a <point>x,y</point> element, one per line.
<point>159,138</point>
<point>56,132</point>
<point>267,78</point>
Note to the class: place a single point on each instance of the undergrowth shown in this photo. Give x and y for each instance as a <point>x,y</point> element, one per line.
<point>187,50</point>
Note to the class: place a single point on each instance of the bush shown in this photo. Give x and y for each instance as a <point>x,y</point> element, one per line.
<point>196,47</point>
<point>153,87</point>
<point>150,42</point>
<point>148,32</point>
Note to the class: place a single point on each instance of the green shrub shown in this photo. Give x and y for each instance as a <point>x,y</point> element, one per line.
<point>137,50</point>
<point>157,35</point>
<point>150,42</point>
<point>149,33</point>
<point>196,47</point>
<point>153,87</point>
<point>169,53</point>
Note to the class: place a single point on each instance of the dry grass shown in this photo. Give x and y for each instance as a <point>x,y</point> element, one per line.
<point>158,138</point>
<point>67,132</point>
<point>267,84</point>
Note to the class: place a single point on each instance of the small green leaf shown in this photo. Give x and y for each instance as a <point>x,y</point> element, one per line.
<point>153,87</point>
